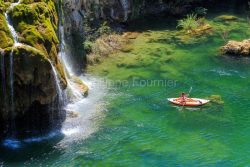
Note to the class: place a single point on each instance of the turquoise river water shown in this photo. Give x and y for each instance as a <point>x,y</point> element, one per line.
<point>127,121</point>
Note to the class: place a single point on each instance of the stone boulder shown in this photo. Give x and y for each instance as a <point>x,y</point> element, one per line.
<point>237,48</point>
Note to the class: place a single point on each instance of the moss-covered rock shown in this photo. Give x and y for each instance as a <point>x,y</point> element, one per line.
<point>36,24</point>
<point>226,18</point>
<point>5,36</point>
<point>35,89</point>
<point>32,69</point>
<point>80,85</point>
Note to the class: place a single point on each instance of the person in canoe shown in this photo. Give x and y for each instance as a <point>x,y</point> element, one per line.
<point>183,98</point>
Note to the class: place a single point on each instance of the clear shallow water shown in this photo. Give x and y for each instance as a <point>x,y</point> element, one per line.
<point>137,127</point>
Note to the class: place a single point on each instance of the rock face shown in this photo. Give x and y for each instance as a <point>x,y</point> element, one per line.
<point>120,10</point>
<point>72,16</point>
<point>237,48</point>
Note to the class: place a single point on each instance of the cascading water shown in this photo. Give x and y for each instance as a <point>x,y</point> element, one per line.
<point>86,109</point>
<point>11,69</point>
<point>3,80</point>
<point>58,87</point>
<point>64,56</point>
<point>125,6</point>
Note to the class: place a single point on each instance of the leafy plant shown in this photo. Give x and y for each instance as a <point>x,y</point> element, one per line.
<point>189,23</point>
<point>88,45</point>
<point>200,11</point>
<point>104,29</point>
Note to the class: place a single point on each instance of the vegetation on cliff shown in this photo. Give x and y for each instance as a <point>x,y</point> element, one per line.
<point>36,24</point>
<point>6,39</point>
<point>28,63</point>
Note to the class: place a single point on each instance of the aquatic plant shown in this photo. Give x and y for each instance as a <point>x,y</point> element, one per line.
<point>216,99</point>
<point>189,23</point>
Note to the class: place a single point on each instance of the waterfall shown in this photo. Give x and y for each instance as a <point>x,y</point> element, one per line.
<point>65,57</point>
<point>57,84</point>
<point>3,80</point>
<point>10,25</point>
<point>11,68</point>
<point>125,6</point>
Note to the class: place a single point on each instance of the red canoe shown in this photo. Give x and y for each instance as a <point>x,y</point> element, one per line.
<point>188,101</point>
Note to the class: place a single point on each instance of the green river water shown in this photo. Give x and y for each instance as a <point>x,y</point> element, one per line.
<point>138,127</point>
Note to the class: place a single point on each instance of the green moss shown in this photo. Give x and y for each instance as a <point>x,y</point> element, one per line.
<point>2,6</point>
<point>5,40</point>
<point>36,22</point>
<point>30,34</point>
<point>38,25</point>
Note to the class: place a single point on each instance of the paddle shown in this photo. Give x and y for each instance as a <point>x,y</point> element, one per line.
<point>190,90</point>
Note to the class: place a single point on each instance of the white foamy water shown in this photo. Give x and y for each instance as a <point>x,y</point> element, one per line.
<point>9,21</point>
<point>88,113</point>
<point>57,83</point>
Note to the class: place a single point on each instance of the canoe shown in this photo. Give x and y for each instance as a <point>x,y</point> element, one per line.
<point>189,101</point>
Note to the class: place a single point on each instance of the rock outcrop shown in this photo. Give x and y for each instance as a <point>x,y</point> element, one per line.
<point>237,48</point>
<point>72,18</point>
<point>120,10</point>
<point>34,90</point>
<point>29,93</point>
<point>36,25</point>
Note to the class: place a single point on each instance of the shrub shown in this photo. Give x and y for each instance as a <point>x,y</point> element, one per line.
<point>104,29</point>
<point>189,23</point>
<point>88,45</point>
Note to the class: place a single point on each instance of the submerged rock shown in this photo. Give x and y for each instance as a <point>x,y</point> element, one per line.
<point>237,48</point>
<point>226,18</point>
<point>72,114</point>
<point>204,29</point>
